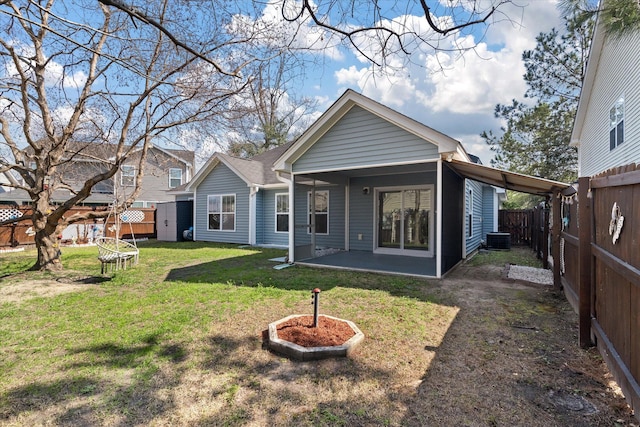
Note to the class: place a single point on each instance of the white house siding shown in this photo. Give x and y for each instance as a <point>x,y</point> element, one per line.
<point>473,242</point>
<point>617,75</point>
<point>222,181</point>
<point>360,139</point>
<point>361,206</point>
<point>267,219</point>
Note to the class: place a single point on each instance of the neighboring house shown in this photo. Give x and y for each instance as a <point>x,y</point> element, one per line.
<point>165,169</point>
<point>387,192</point>
<point>606,129</point>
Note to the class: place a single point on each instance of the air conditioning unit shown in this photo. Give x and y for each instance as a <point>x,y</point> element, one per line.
<point>499,241</point>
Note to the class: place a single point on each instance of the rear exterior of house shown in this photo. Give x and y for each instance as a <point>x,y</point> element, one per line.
<point>368,179</point>
<point>363,179</point>
<point>607,126</point>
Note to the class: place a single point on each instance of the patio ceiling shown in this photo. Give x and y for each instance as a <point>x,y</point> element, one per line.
<point>505,179</point>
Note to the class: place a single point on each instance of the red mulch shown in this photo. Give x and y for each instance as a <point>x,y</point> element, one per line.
<point>300,330</point>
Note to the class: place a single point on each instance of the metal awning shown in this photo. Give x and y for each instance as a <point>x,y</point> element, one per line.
<point>505,179</point>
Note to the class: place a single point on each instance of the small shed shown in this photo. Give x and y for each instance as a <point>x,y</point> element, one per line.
<point>172,219</point>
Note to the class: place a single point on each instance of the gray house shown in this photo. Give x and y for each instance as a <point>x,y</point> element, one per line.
<point>364,188</point>
<point>164,170</point>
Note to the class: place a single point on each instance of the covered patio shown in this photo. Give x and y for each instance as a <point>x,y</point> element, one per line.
<point>375,263</point>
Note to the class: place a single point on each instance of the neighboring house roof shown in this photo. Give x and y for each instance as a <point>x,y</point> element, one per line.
<point>346,102</point>
<point>256,171</point>
<point>88,151</point>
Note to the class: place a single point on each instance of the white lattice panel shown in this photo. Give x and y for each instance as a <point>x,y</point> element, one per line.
<point>132,216</point>
<point>6,214</point>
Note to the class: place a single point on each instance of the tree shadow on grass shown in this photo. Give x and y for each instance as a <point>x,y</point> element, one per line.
<point>255,270</point>
<point>84,399</point>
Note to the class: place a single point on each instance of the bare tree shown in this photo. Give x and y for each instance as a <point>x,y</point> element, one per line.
<point>381,30</point>
<point>269,113</point>
<point>75,73</point>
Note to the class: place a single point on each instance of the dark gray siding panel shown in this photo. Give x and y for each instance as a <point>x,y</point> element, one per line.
<point>267,217</point>
<point>361,138</point>
<point>223,181</point>
<point>452,218</point>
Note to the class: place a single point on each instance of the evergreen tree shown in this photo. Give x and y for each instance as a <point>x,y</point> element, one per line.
<point>535,139</point>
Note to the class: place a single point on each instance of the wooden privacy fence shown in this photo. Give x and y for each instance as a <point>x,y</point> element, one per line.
<point>600,267</point>
<point>137,221</point>
<point>518,223</point>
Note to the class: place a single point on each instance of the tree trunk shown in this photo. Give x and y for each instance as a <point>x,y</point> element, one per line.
<point>48,254</point>
<point>47,243</point>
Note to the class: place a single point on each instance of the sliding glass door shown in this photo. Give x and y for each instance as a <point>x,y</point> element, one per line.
<point>405,220</point>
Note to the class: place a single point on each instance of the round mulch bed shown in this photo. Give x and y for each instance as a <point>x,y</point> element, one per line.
<point>300,330</point>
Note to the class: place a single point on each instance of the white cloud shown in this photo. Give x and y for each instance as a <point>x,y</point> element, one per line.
<point>271,29</point>
<point>453,93</point>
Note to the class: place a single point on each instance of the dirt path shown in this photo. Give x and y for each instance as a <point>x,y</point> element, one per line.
<point>511,358</point>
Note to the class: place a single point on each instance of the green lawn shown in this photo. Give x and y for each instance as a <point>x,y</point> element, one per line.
<point>115,348</point>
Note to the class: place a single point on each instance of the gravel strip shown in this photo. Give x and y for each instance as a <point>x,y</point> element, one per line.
<point>531,274</point>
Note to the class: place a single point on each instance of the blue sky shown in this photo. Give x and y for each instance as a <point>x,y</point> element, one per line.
<point>455,95</point>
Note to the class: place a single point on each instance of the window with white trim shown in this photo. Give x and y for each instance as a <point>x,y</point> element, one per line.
<point>128,175</point>
<point>322,211</point>
<point>175,177</point>
<point>469,213</point>
<point>282,212</point>
<point>616,124</point>
<point>221,211</point>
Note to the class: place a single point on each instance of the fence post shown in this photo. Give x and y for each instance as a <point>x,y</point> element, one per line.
<point>584,260</point>
<point>555,239</point>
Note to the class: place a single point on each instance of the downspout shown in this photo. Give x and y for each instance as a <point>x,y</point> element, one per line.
<point>439,221</point>
<point>289,182</point>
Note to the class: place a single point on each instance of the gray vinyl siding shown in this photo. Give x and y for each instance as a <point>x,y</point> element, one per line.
<point>267,219</point>
<point>361,207</point>
<point>222,180</point>
<point>617,75</point>
<point>473,242</point>
<point>488,210</point>
<point>361,139</point>
<point>260,201</point>
<point>155,182</point>
<point>336,236</point>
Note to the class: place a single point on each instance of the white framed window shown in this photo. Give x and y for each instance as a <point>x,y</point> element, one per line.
<point>469,213</point>
<point>282,212</point>
<point>322,211</point>
<point>175,177</point>
<point>221,211</point>
<point>616,123</point>
<point>128,175</point>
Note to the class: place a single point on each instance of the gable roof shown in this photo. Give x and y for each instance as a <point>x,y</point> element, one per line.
<point>344,104</point>
<point>256,170</point>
